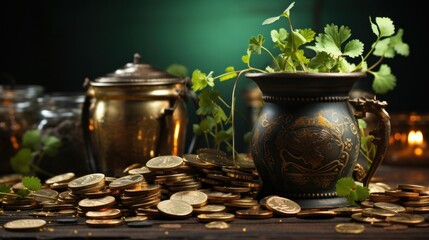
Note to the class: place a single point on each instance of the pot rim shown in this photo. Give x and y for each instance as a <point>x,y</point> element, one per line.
<point>306,75</point>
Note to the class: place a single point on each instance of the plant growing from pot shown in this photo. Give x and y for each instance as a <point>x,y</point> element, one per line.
<point>307,136</point>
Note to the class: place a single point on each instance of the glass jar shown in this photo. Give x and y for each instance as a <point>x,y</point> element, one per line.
<point>18,113</point>
<point>61,117</point>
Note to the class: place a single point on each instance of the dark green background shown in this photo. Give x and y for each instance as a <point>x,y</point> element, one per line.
<point>59,43</point>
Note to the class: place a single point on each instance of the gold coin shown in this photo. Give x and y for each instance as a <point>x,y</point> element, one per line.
<point>406,218</point>
<point>96,203</point>
<point>412,187</point>
<point>400,193</point>
<point>45,194</point>
<point>132,166</point>
<point>193,160</point>
<point>135,219</point>
<point>86,181</point>
<point>221,216</point>
<point>383,197</point>
<point>210,208</point>
<point>217,225</point>
<point>146,190</point>
<point>126,182</point>
<point>24,224</point>
<point>220,197</point>
<point>351,228</point>
<point>242,203</point>
<point>390,206</point>
<point>65,177</point>
<point>359,218</point>
<point>418,209</point>
<point>346,211</point>
<point>244,160</point>
<point>230,189</point>
<point>214,156</point>
<point>167,162</point>
<point>282,206</point>
<point>195,198</point>
<point>141,171</point>
<point>254,213</point>
<point>175,208</point>
<point>315,214</point>
<point>10,179</point>
<point>108,214</point>
<point>103,222</point>
<point>415,204</point>
<point>377,213</point>
<point>374,188</point>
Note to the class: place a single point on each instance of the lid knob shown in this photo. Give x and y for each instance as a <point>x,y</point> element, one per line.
<point>137,58</point>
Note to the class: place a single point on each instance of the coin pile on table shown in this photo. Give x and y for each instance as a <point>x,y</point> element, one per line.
<point>208,185</point>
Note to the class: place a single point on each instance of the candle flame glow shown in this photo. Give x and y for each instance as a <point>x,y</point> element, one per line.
<point>415,137</point>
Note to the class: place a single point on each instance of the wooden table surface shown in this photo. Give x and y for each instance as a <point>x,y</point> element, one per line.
<point>273,228</point>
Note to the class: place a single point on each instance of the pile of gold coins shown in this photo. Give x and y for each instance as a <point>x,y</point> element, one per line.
<point>207,185</point>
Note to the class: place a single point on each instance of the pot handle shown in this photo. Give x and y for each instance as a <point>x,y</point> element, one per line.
<point>381,132</point>
<point>92,165</point>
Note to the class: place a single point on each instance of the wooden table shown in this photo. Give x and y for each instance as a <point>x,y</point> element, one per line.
<point>273,228</point>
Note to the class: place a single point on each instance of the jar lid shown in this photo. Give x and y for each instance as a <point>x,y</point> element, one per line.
<point>136,73</point>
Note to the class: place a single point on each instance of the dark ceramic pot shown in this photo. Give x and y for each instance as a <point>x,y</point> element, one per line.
<point>307,136</point>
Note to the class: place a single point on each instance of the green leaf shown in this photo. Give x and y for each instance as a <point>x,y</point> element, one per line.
<point>255,44</point>
<point>362,123</point>
<point>247,137</point>
<point>322,62</point>
<point>353,48</point>
<point>230,74</point>
<point>344,186</point>
<point>31,139</point>
<point>4,189</point>
<point>51,145</point>
<point>177,70</point>
<point>278,36</point>
<point>384,48</point>
<point>270,20</point>
<point>32,183</point>
<point>20,163</point>
<point>299,55</point>
<point>223,136</point>
<point>23,192</point>
<point>384,80</point>
<point>330,42</point>
<point>200,80</point>
<point>374,27</point>
<point>269,69</point>
<point>400,47</point>
<point>308,34</point>
<point>245,59</point>
<point>286,12</point>
<point>385,25</point>
<point>298,39</point>
<point>362,193</point>
<point>205,126</point>
<point>351,198</point>
<point>206,102</point>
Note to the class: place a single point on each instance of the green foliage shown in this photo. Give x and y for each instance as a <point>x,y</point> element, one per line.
<point>32,183</point>
<point>34,148</point>
<point>4,188</point>
<point>333,50</point>
<point>177,70</point>
<point>353,191</point>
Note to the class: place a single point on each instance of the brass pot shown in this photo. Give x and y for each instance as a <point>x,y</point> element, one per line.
<point>134,114</point>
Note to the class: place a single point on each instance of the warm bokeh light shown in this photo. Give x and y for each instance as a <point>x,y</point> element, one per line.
<point>415,137</point>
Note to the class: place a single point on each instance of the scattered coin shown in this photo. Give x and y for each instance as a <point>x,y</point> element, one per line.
<point>103,222</point>
<point>45,194</point>
<point>107,214</point>
<point>141,171</point>
<point>377,213</point>
<point>65,177</point>
<point>195,198</point>
<point>316,214</point>
<point>131,167</point>
<point>86,181</point>
<point>390,206</point>
<point>350,228</point>
<point>135,219</point>
<point>346,211</point>
<point>96,203</point>
<point>175,208</point>
<point>126,182</point>
<point>217,225</point>
<point>381,224</point>
<point>254,213</point>
<point>209,217</point>
<point>24,225</point>
<point>406,218</point>
<point>167,162</point>
<point>210,208</point>
<point>359,218</point>
<point>282,206</point>
<point>43,214</point>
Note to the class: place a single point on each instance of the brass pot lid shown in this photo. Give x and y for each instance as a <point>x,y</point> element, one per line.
<point>136,73</point>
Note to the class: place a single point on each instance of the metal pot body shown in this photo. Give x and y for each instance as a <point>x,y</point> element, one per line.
<point>306,137</point>
<point>131,123</point>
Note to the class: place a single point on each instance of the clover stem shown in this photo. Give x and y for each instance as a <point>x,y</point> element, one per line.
<point>272,56</point>
<point>376,64</point>
<point>359,66</point>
